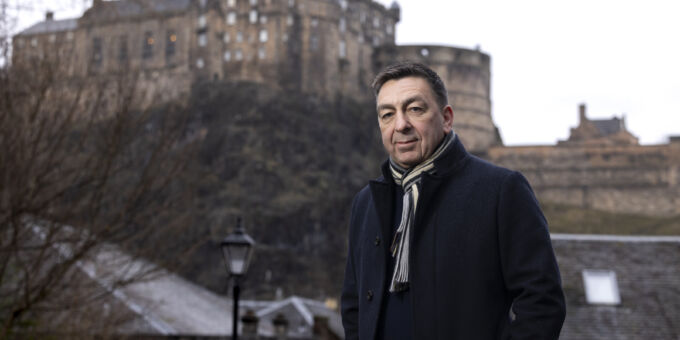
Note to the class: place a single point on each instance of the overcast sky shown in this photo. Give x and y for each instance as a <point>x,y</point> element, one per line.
<point>618,57</point>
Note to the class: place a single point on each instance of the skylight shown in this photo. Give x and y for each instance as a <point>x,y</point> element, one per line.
<point>601,287</point>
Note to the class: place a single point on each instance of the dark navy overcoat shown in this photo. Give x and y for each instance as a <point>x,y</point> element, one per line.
<point>482,264</point>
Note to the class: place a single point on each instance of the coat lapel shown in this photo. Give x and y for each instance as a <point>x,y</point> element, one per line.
<point>382,198</point>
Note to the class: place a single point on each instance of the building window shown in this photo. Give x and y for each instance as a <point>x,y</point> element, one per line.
<point>253,2</point>
<point>202,21</point>
<point>238,55</point>
<point>147,47</point>
<point>226,37</point>
<point>342,49</point>
<point>314,42</point>
<point>376,22</point>
<point>231,3</point>
<point>425,52</point>
<point>291,3</point>
<point>69,36</point>
<point>200,63</point>
<point>342,26</point>
<point>314,22</point>
<point>263,36</point>
<point>52,38</point>
<point>362,17</point>
<point>203,3</point>
<point>227,56</point>
<point>202,39</point>
<point>239,36</point>
<point>601,287</point>
<point>123,48</point>
<point>343,4</point>
<point>290,20</point>
<point>263,19</point>
<point>376,41</point>
<point>34,42</point>
<point>262,53</point>
<point>253,16</point>
<point>170,44</point>
<point>97,51</point>
<point>389,29</point>
<point>231,18</point>
<point>284,37</point>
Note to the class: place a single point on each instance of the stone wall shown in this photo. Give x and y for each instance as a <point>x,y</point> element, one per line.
<point>626,179</point>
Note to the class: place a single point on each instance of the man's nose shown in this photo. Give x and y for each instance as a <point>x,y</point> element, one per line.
<point>402,124</point>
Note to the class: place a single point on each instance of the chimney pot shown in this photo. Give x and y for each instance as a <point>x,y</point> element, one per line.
<point>49,16</point>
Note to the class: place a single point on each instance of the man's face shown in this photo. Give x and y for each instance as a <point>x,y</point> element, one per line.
<point>411,122</point>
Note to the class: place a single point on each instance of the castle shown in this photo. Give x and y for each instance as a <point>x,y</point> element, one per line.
<point>326,47</point>
<point>333,48</point>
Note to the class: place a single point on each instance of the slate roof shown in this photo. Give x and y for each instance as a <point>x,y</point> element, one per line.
<point>608,126</point>
<point>130,8</point>
<point>648,275</point>
<point>51,26</point>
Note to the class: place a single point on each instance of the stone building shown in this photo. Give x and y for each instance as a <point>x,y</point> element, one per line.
<point>325,47</point>
<point>601,166</point>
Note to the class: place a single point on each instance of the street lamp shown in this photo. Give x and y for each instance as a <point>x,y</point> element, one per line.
<point>237,249</point>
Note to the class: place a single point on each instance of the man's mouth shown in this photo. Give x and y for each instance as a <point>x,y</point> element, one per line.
<point>406,142</point>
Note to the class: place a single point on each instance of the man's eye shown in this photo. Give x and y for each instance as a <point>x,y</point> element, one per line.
<point>386,115</point>
<point>416,109</point>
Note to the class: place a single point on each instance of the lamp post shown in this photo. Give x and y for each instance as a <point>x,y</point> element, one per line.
<point>237,249</point>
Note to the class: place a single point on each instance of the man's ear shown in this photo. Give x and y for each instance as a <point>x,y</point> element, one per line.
<point>447,113</point>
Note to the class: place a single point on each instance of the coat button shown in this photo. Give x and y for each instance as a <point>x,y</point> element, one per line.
<point>377,241</point>
<point>369,295</point>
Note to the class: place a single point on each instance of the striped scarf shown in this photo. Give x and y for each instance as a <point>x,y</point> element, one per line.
<point>409,180</point>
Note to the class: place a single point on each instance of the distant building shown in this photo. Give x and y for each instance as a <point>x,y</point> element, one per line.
<point>326,47</point>
<point>600,131</point>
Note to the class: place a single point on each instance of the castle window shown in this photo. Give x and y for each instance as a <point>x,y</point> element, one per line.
<point>97,51</point>
<point>227,56</point>
<point>290,20</point>
<point>202,22</point>
<point>342,49</point>
<point>362,17</point>
<point>376,22</point>
<point>231,18</point>
<point>200,63</point>
<point>263,36</point>
<point>69,35</point>
<point>291,3</point>
<point>226,37</point>
<point>376,41</point>
<point>342,26</point>
<point>52,38</point>
<point>253,16</point>
<point>262,53</point>
<point>314,42</point>
<point>239,36</point>
<point>170,44</point>
<point>263,19</point>
<point>389,28</point>
<point>253,2</point>
<point>34,42</point>
<point>122,48</point>
<point>203,3</point>
<point>343,4</point>
<point>147,47</point>
<point>314,22</point>
<point>425,52</point>
<point>231,3</point>
<point>202,39</point>
<point>284,37</point>
<point>238,55</point>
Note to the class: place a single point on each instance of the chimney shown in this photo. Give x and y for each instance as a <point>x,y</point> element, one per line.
<point>280,327</point>
<point>582,112</point>
<point>49,16</point>
<point>250,322</point>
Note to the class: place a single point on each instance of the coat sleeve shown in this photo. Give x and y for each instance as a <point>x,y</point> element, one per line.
<point>530,270</point>
<point>349,301</point>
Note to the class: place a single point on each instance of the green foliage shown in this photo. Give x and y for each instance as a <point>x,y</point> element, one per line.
<point>575,220</point>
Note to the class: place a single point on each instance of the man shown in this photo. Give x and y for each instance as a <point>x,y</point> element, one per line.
<point>444,245</point>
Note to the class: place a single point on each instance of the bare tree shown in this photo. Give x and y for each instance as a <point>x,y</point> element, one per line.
<point>83,172</point>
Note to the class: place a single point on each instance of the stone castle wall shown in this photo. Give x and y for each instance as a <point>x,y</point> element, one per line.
<point>626,179</point>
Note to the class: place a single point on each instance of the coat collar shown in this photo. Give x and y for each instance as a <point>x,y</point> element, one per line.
<point>382,189</point>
